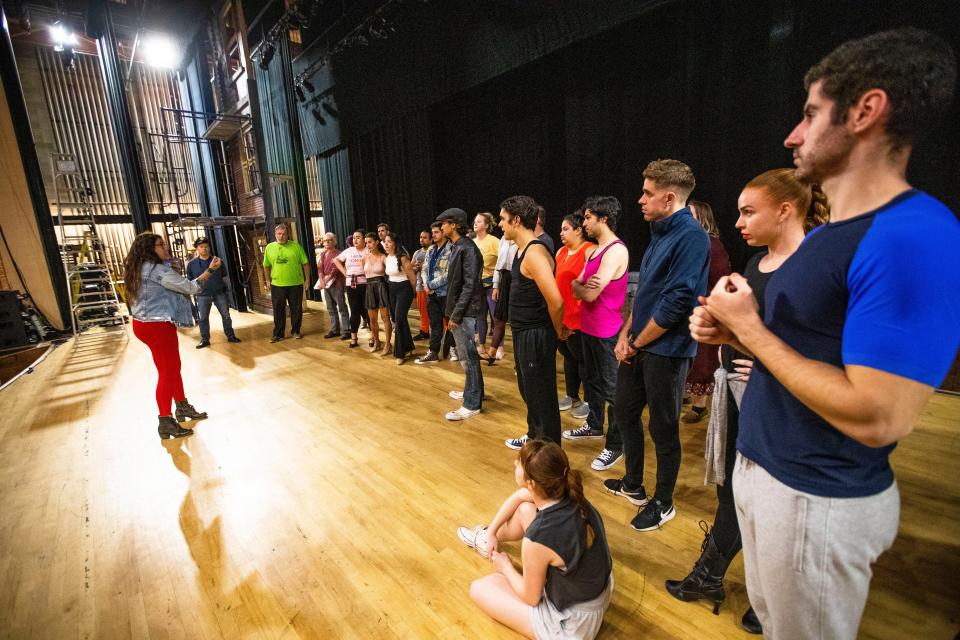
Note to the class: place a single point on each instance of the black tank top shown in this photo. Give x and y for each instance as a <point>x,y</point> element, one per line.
<point>528,308</point>
<point>758,283</point>
<point>563,529</point>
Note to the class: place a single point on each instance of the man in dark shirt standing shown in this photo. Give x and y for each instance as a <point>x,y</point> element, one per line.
<point>214,293</point>
<point>655,348</point>
<point>860,325</point>
<point>464,303</point>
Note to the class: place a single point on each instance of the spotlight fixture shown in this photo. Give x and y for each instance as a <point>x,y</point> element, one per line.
<point>319,116</point>
<point>67,57</point>
<point>266,55</point>
<point>307,85</point>
<point>161,51</point>
<point>63,36</point>
<point>299,91</point>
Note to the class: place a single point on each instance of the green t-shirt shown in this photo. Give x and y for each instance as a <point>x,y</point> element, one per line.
<point>286,263</point>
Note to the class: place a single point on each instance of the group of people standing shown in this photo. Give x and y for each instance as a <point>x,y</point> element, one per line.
<point>829,348</point>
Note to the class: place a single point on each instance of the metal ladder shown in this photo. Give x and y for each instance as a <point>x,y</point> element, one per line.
<point>91,287</point>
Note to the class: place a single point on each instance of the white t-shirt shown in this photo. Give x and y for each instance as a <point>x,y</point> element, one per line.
<point>394,272</point>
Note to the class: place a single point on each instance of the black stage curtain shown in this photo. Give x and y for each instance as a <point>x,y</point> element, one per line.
<point>392,175</point>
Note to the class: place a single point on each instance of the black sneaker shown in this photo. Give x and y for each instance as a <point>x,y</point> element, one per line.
<point>421,336</point>
<point>428,358</point>
<point>606,459</point>
<point>203,344</point>
<point>276,338</point>
<point>233,339</point>
<point>583,432</point>
<point>330,334</point>
<point>653,516</point>
<point>517,443</point>
<point>617,488</point>
<point>345,336</point>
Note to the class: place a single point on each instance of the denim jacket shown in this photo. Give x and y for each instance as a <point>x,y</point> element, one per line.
<point>163,296</point>
<point>435,270</point>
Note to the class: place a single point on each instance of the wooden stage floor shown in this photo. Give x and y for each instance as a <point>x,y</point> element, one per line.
<point>321,498</point>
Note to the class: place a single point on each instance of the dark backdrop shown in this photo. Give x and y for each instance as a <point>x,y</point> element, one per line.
<point>715,84</point>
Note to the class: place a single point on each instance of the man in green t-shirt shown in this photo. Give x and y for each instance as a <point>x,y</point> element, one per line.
<point>286,268</point>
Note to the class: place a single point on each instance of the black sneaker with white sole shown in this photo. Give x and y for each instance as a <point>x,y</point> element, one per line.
<point>517,443</point>
<point>653,516</point>
<point>606,459</point>
<point>583,432</point>
<point>618,488</point>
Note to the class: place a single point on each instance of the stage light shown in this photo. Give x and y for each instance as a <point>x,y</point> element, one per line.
<point>67,57</point>
<point>266,55</point>
<point>161,51</point>
<point>297,89</point>
<point>307,85</point>
<point>319,116</point>
<point>63,37</point>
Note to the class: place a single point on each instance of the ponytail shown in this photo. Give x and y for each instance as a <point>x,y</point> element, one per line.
<point>544,462</point>
<point>819,211</point>
<point>575,495</point>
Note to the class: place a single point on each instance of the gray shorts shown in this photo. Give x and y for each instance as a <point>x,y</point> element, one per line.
<point>577,622</point>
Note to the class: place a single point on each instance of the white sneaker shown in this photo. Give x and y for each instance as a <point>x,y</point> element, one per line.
<point>456,395</point>
<point>462,413</point>
<point>475,538</point>
<point>517,443</point>
<point>499,355</point>
<point>453,356</point>
<point>566,402</point>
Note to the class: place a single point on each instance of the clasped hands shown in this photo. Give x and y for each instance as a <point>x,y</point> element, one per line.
<point>727,313</point>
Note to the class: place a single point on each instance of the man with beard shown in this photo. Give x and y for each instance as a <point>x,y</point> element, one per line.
<point>860,325</point>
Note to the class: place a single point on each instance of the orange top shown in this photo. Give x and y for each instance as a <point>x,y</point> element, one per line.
<point>569,268</point>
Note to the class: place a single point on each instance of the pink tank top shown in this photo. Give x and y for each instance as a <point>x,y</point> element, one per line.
<point>603,317</point>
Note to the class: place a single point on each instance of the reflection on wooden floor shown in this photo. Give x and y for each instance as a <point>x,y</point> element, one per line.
<point>321,497</point>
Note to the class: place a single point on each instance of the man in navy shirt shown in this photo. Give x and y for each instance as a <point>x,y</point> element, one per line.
<point>214,293</point>
<point>861,324</point>
<point>654,347</point>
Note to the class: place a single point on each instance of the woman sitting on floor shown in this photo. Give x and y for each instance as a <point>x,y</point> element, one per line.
<point>567,579</point>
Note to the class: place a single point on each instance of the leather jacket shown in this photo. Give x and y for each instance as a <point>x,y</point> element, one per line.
<point>464,291</point>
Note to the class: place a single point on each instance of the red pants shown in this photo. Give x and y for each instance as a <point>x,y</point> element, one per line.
<point>161,337</point>
<point>422,306</point>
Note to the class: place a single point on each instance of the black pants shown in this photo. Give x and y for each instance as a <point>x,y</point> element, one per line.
<point>572,351</point>
<point>535,356</point>
<point>726,529</point>
<point>401,296</point>
<point>280,297</point>
<point>600,386</point>
<point>355,296</point>
<point>653,381</point>
<point>435,305</point>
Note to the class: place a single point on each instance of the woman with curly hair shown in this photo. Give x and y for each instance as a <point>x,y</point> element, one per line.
<point>157,297</point>
<point>566,582</point>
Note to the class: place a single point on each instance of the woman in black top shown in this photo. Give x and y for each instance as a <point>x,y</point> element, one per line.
<point>776,212</point>
<point>536,320</point>
<point>567,581</point>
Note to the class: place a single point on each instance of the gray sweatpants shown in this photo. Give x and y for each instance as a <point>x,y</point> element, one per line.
<point>808,558</point>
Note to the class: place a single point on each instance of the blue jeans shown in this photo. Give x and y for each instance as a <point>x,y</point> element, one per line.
<point>223,306</point>
<point>470,361</point>
<point>337,309</point>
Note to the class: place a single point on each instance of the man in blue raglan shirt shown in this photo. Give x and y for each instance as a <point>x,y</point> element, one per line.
<point>861,324</point>
<point>214,293</point>
<point>654,347</point>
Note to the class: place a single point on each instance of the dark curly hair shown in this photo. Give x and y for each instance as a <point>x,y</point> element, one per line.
<point>915,68</point>
<point>523,207</point>
<point>604,207</point>
<point>575,220</point>
<point>142,250</point>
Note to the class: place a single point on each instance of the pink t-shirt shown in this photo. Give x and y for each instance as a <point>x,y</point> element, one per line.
<point>353,261</point>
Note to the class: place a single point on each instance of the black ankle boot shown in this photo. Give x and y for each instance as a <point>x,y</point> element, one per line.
<point>170,428</point>
<point>751,623</point>
<point>185,411</point>
<point>705,581</point>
